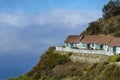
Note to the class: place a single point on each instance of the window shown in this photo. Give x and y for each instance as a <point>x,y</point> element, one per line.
<point>83,45</point>
<point>92,44</point>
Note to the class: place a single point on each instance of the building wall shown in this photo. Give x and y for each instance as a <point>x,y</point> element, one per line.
<point>82,45</point>
<point>67,45</point>
<point>105,47</point>
<point>72,45</point>
<point>115,50</point>
<point>110,49</point>
<point>97,46</point>
<point>92,46</point>
<point>78,45</point>
<point>118,50</point>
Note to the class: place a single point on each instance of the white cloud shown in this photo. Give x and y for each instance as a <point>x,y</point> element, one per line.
<point>18,31</point>
<point>54,17</point>
<point>13,19</point>
<point>67,18</point>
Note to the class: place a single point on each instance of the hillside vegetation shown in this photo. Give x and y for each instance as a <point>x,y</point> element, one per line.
<point>109,24</point>
<point>54,66</point>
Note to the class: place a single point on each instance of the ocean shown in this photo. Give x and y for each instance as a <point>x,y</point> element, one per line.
<point>16,64</point>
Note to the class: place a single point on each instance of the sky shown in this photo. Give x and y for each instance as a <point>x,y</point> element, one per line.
<point>45,5</point>
<point>27,24</point>
<point>29,27</point>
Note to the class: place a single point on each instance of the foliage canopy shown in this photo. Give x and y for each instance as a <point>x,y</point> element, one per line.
<point>111,9</point>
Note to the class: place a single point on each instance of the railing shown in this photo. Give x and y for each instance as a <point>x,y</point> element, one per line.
<point>84,51</point>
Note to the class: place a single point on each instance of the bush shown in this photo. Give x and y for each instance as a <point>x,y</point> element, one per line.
<point>117,34</point>
<point>52,48</point>
<point>93,71</point>
<point>21,78</point>
<point>111,72</point>
<point>118,19</point>
<point>36,76</point>
<point>57,78</point>
<point>114,58</point>
<point>70,53</point>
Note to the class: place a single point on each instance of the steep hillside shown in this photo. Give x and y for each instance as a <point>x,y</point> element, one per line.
<point>109,26</point>
<point>55,66</point>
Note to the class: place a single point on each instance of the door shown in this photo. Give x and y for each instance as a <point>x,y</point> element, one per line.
<point>101,47</point>
<point>88,46</point>
<point>114,49</point>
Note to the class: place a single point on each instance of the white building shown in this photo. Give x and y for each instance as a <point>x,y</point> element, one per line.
<point>93,42</point>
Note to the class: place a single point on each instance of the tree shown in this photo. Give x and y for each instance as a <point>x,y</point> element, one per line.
<point>111,9</point>
<point>93,28</point>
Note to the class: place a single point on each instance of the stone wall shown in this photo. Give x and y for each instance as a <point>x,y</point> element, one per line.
<point>90,58</point>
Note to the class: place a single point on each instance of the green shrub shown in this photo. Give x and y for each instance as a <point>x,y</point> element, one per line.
<point>111,72</point>
<point>62,59</point>
<point>117,34</point>
<point>93,71</point>
<point>114,58</point>
<point>63,46</point>
<point>36,76</point>
<point>70,53</point>
<point>118,19</point>
<point>52,48</point>
<point>21,78</point>
<point>56,78</point>
<point>43,77</point>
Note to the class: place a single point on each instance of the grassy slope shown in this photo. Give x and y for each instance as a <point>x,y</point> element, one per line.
<point>53,66</point>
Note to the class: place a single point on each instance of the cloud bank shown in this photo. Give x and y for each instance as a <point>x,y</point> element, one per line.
<point>34,31</point>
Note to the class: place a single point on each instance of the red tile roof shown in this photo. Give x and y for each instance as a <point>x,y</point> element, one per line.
<point>103,40</point>
<point>115,42</point>
<point>90,39</point>
<point>97,39</point>
<point>73,39</point>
